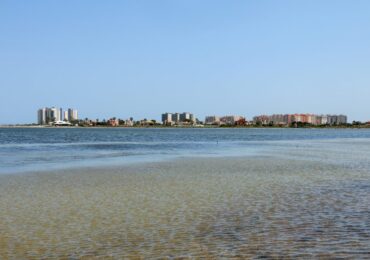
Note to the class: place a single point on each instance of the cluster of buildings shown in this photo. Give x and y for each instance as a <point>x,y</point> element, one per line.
<point>178,118</point>
<point>56,116</point>
<point>290,119</point>
<point>117,122</point>
<point>225,120</point>
<point>237,120</point>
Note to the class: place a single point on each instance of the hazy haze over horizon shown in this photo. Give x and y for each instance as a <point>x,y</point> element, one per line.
<point>143,58</point>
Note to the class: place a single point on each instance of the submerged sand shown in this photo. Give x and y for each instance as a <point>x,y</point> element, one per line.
<point>188,208</point>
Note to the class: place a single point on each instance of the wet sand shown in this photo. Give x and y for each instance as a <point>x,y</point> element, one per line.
<point>188,208</point>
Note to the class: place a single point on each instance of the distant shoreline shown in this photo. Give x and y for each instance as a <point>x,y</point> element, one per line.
<point>189,126</point>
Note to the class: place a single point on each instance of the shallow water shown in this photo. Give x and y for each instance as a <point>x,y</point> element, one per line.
<point>202,208</point>
<point>37,149</point>
<point>257,193</point>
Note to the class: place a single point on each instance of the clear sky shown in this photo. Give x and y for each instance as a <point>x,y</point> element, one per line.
<point>143,58</point>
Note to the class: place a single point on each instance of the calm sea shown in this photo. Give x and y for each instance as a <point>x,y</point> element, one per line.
<point>33,149</point>
<point>288,194</point>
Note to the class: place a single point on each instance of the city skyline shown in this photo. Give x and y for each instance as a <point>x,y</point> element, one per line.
<point>57,117</point>
<point>211,57</point>
<point>173,116</point>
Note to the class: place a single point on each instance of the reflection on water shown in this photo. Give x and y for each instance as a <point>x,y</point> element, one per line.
<point>235,207</point>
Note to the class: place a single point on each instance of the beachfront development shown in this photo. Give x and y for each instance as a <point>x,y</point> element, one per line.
<point>55,117</point>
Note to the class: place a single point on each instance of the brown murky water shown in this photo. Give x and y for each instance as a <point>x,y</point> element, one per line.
<point>200,208</point>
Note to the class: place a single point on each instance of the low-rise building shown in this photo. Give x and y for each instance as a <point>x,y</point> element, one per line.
<point>129,122</point>
<point>212,120</point>
<point>230,120</point>
<point>113,122</point>
<point>262,120</point>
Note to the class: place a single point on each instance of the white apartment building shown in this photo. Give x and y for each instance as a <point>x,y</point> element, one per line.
<point>175,118</point>
<point>72,114</point>
<point>66,118</point>
<point>50,115</point>
<point>167,118</point>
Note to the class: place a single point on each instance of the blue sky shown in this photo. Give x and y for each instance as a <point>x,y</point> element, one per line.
<point>142,58</point>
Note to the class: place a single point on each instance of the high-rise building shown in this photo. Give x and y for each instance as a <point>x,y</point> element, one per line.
<point>65,117</point>
<point>167,118</point>
<point>342,119</point>
<point>278,119</point>
<point>41,116</point>
<point>72,114</point>
<point>321,119</point>
<point>55,114</point>
<point>337,119</point>
<point>50,115</point>
<point>186,117</point>
<point>176,118</point>
<point>301,118</point>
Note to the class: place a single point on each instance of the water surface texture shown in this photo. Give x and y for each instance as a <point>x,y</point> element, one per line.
<point>24,149</point>
<point>258,193</point>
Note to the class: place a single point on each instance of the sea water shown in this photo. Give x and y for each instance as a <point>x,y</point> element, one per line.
<point>189,193</point>
<point>35,149</point>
